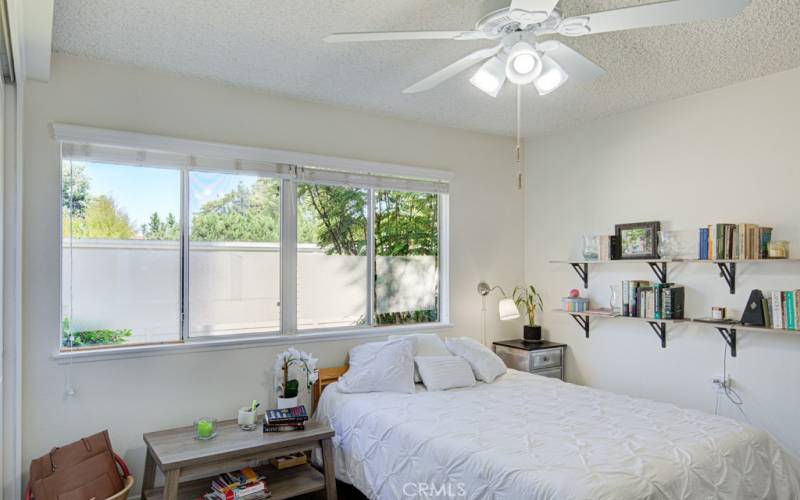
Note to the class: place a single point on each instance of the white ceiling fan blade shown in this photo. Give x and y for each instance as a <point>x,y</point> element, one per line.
<point>531,11</point>
<point>377,36</point>
<point>576,65</point>
<point>655,14</point>
<point>452,70</point>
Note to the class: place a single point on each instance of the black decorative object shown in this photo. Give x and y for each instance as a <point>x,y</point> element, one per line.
<point>638,240</point>
<point>532,333</point>
<point>754,310</point>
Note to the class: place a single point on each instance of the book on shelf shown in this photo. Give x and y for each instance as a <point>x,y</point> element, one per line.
<point>652,301</point>
<point>728,241</point>
<point>784,309</point>
<point>244,484</point>
<point>284,427</point>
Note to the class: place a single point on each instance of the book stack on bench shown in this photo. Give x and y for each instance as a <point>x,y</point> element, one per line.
<point>243,484</point>
<point>285,419</point>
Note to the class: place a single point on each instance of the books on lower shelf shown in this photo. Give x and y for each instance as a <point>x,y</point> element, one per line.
<point>285,419</point>
<point>654,301</point>
<point>783,309</point>
<point>244,484</point>
<point>733,242</point>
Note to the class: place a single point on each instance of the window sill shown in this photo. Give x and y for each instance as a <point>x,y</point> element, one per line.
<point>204,345</point>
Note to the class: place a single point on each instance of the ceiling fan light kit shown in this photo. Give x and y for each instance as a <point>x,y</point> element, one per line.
<point>551,77</point>
<point>523,64</point>
<point>490,77</point>
<point>549,63</point>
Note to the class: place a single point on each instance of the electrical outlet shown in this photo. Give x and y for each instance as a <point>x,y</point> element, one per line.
<point>720,382</point>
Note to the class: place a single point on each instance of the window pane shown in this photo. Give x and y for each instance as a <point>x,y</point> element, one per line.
<point>121,254</point>
<point>331,256</point>
<point>406,257</point>
<point>234,254</point>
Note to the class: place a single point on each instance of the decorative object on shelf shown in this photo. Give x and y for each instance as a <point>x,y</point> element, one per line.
<point>247,416</point>
<point>638,240</point>
<point>613,300</point>
<point>675,245</point>
<point>718,312</point>
<point>287,389</point>
<point>591,247</point>
<point>574,302</point>
<point>778,249</point>
<point>205,428</point>
<point>755,312</point>
<point>506,308</point>
<point>529,300</point>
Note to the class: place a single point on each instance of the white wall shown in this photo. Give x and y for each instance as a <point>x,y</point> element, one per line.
<point>729,155</point>
<point>137,395</point>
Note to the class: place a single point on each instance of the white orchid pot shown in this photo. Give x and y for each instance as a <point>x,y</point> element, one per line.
<point>287,402</point>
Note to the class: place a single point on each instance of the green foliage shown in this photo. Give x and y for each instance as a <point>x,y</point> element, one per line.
<point>406,223</point>
<point>101,219</point>
<point>335,218</point>
<point>75,190</point>
<point>158,230</point>
<point>292,389</point>
<point>92,337</point>
<point>529,299</point>
<point>244,214</point>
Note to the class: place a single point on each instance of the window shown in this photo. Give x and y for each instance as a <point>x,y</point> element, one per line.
<point>407,257</point>
<point>121,262</point>
<point>167,247</point>
<point>234,254</point>
<point>332,267</point>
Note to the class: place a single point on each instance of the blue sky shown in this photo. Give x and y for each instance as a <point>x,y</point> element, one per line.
<point>140,191</point>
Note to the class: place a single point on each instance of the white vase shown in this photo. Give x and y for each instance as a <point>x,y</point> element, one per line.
<point>287,402</point>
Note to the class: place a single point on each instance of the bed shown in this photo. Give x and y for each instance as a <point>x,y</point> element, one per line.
<point>531,437</point>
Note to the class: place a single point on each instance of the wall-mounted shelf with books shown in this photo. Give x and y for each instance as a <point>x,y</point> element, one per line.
<point>659,326</point>
<point>727,329</point>
<point>727,267</point>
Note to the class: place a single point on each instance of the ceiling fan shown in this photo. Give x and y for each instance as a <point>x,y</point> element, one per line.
<point>522,59</point>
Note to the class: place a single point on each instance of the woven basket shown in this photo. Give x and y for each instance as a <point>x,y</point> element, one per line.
<point>127,478</point>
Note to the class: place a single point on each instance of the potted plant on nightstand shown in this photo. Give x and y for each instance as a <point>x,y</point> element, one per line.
<point>528,299</point>
<point>287,389</point>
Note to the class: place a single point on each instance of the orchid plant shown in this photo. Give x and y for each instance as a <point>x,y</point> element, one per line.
<point>289,388</point>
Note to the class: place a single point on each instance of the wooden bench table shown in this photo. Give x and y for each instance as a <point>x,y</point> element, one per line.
<point>189,465</point>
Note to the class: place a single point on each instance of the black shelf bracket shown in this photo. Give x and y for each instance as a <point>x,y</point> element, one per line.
<point>661,330</point>
<point>583,321</point>
<point>660,268</point>
<point>728,271</point>
<point>583,272</point>
<point>729,334</point>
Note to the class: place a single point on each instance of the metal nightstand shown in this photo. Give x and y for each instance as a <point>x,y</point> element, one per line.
<point>542,358</point>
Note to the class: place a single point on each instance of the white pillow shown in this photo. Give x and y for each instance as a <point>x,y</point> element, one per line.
<point>440,373</point>
<point>486,364</point>
<point>380,367</point>
<point>428,344</point>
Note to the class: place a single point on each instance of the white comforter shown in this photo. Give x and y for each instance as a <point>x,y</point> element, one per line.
<point>531,437</point>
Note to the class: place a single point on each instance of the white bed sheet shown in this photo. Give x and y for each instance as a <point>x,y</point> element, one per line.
<point>531,437</point>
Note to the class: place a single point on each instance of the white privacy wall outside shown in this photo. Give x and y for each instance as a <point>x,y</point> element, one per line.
<point>234,287</point>
<point>730,155</point>
<point>137,395</point>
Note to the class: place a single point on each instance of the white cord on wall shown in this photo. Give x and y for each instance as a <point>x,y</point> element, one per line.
<point>729,391</point>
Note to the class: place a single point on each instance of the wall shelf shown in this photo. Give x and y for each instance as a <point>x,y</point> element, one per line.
<point>659,326</point>
<point>727,267</point>
<point>727,330</point>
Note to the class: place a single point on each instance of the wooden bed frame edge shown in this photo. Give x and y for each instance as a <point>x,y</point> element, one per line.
<point>326,377</point>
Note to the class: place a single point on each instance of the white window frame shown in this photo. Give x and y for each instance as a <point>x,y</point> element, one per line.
<point>236,157</point>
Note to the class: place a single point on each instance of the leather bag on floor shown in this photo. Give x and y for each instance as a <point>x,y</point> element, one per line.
<point>83,470</point>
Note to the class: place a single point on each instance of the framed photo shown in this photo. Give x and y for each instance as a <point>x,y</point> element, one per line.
<point>638,240</point>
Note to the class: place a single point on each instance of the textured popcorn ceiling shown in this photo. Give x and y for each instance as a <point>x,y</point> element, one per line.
<point>275,45</point>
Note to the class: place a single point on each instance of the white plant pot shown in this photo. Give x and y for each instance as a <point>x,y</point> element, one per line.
<point>287,402</point>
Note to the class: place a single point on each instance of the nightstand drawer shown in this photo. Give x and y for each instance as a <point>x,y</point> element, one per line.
<point>545,359</point>
<point>514,358</point>
<point>549,372</point>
